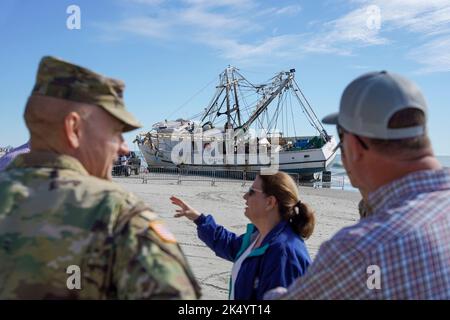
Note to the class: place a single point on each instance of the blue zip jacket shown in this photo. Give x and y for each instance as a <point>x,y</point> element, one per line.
<point>281,258</point>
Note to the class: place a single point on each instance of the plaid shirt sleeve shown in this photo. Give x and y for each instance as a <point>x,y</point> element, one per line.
<point>338,272</point>
<point>403,239</point>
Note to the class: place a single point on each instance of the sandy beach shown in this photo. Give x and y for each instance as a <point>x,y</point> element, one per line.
<point>334,209</point>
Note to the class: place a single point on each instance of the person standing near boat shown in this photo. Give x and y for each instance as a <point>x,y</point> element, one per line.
<point>400,248</point>
<point>272,252</point>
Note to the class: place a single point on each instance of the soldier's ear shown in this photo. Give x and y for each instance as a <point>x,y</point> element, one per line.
<point>72,129</point>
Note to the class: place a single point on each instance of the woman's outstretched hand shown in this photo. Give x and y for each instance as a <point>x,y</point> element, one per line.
<point>185,210</point>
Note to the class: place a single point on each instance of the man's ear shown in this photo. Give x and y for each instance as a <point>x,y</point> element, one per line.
<point>357,151</point>
<point>72,129</point>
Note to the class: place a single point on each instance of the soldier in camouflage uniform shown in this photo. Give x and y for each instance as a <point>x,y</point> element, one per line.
<point>58,207</point>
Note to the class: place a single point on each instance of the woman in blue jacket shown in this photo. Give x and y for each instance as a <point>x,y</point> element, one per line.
<point>272,252</point>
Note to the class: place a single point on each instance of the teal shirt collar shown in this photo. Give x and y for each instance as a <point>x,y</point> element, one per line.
<point>247,240</point>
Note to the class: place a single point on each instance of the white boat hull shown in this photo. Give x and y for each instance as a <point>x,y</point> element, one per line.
<point>304,162</point>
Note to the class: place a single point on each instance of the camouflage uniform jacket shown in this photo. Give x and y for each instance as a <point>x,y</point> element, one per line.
<point>53,215</point>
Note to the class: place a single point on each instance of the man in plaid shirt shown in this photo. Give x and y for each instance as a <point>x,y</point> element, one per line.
<point>400,249</point>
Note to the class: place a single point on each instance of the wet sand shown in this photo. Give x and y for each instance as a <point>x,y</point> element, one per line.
<point>334,209</point>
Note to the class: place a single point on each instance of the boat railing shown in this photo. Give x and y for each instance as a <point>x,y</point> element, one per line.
<point>219,176</point>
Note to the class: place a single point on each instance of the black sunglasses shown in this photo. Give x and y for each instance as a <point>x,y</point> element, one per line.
<point>341,132</point>
<point>251,191</point>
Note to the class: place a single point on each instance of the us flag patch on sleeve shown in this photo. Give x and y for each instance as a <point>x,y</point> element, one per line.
<point>162,231</point>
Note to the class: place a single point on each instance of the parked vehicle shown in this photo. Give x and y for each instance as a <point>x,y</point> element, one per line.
<point>126,165</point>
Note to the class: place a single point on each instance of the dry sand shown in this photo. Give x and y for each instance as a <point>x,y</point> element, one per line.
<point>334,210</point>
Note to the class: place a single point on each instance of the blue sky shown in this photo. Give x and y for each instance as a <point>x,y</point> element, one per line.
<point>166,51</point>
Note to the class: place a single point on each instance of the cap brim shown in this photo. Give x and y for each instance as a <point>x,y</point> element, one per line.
<point>331,118</point>
<point>131,123</point>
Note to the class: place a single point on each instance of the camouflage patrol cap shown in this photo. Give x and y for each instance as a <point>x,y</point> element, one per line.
<point>60,79</point>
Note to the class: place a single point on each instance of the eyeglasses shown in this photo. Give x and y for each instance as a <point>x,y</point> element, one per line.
<point>341,132</point>
<point>251,191</point>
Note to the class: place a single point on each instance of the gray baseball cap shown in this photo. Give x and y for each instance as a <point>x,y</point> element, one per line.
<point>369,102</point>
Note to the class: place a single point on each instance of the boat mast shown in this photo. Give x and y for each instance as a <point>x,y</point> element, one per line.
<point>236,100</point>
<point>228,99</point>
<point>229,84</point>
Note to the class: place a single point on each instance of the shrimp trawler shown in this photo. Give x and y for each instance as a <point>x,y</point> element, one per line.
<point>244,127</point>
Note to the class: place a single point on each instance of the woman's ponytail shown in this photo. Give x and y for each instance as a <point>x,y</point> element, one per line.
<point>302,220</point>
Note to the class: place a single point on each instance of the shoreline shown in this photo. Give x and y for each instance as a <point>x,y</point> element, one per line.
<point>334,210</point>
